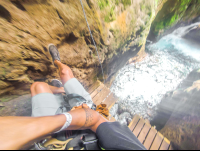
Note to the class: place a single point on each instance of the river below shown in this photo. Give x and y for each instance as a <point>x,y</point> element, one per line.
<point>141,86</point>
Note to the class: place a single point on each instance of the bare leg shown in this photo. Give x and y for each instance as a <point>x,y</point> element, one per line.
<point>41,87</point>
<point>64,71</point>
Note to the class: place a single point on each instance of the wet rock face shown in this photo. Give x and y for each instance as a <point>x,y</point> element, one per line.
<point>174,14</point>
<point>194,36</point>
<point>178,115</point>
<point>27,27</point>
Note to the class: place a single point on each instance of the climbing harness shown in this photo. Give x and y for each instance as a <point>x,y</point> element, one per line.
<point>92,39</point>
<point>81,140</point>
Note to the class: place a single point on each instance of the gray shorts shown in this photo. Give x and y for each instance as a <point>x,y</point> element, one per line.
<point>46,104</point>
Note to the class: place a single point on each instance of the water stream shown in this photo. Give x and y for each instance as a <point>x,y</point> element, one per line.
<point>141,86</point>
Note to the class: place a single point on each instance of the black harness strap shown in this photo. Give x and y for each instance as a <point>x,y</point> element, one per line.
<point>76,143</point>
<point>88,141</point>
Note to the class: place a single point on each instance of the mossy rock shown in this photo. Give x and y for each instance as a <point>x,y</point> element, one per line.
<point>174,11</point>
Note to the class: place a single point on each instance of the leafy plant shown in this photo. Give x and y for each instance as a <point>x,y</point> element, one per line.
<point>110,16</point>
<point>173,15</point>
<point>126,3</point>
<point>142,7</point>
<point>117,2</point>
<point>103,3</point>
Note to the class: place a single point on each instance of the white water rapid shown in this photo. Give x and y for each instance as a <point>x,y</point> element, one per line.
<point>141,86</point>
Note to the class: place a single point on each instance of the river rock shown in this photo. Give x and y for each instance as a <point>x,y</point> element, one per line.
<point>124,118</point>
<point>114,110</point>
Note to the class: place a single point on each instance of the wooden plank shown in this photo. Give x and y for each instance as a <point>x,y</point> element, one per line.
<point>134,122</point>
<point>112,119</point>
<point>165,144</point>
<point>109,116</point>
<point>93,87</point>
<point>114,101</point>
<point>104,101</point>
<point>110,101</point>
<point>101,96</point>
<point>144,132</point>
<point>138,127</point>
<point>157,142</point>
<point>150,138</point>
<point>97,90</point>
<point>147,121</point>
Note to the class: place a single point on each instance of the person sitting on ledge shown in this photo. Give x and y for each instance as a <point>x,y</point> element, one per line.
<point>17,132</point>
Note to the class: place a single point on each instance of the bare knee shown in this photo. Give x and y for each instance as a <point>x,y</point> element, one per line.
<point>38,87</point>
<point>66,74</point>
<point>66,71</point>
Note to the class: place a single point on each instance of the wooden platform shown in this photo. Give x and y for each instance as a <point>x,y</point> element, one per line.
<point>146,134</point>
<point>102,95</point>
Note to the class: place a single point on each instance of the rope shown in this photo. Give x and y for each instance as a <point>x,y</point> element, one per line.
<point>92,39</point>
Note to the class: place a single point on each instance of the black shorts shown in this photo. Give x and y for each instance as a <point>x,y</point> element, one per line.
<point>114,136</point>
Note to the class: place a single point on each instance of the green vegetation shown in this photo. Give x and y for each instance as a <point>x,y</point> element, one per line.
<point>2,108</point>
<point>126,3</point>
<point>174,13</point>
<point>184,5</point>
<point>117,2</point>
<point>93,55</point>
<point>110,13</point>
<point>95,78</point>
<point>110,16</point>
<point>8,98</point>
<point>142,7</point>
<point>103,3</point>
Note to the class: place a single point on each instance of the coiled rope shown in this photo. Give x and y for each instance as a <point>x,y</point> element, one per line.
<point>93,40</point>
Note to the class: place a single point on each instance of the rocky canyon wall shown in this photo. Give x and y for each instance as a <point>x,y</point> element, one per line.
<point>27,27</point>
<point>174,14</point>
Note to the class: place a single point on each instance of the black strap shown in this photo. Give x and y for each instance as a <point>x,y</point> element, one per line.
<point>75,143</point>
<point>90,142</point>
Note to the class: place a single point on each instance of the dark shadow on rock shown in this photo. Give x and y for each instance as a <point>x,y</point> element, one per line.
<point>118,62</point>
<point>4,13</point>
<point>194,36</point>
<point>178,115</point>
<point>179,102</point>
<point>18,5</point>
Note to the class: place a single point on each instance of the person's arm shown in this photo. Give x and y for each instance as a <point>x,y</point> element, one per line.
<point>15,132</point>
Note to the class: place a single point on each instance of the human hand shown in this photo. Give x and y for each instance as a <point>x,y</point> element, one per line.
<point>83,106</point>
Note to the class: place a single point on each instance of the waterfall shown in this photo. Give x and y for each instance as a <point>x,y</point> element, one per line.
<point>141,86</point>
<point>182,31</point>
